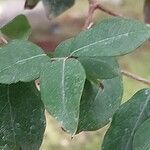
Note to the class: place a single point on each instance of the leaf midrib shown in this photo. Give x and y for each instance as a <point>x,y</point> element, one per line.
<point>103,40</point>
<point>21,61</point>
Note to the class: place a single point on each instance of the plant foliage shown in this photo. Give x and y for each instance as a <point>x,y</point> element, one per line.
<point>80,85</point>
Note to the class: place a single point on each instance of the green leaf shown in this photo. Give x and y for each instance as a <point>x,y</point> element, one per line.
<point>98,105</point>
<point>30,4</point>
<point>62,83</point>
<point>18,28</point>
<point>21,61</point>
<point>95,67</point>
<point>22,121</point>
<point>126,121</point>
<point>56,7</point>
<point>111,37</point>
<point>63,49</point>
<point>142,137</point>
<point>100,67</point>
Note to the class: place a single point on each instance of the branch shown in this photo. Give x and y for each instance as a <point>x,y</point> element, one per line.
<point>100,7</point>
<point>135,77</point>
<point>93,6</point>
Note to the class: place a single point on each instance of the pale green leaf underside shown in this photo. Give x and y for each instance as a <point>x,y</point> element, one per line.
<point>18,28</point>
<point>62,83</point>
<point>22,121</point>
<point>126,121</point>
<point>98,105</point>
<point>21,61</point>
<point>142,137</point>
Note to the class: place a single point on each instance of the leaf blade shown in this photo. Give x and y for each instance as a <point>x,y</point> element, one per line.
<point>97,106</point>
<point>141,138</point>
<point>21,61</point>
<point>112,37</point>
<point>62,100</point>
<point>18,28</point>
<point>123,128</point>
<point>100,67</point>
<point>22,121</point>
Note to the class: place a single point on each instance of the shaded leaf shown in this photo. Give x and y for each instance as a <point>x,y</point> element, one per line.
<point>100,67</point>
<point>112,37</point>
<point>126,121</point>
<point>18,28</point>
<point>30,4</point>
<point>22,121</point>
<point>142,137</point>
<point>98,105</point>
<point>21,61</point>
<point>56,7</point>
<point>62,84</point>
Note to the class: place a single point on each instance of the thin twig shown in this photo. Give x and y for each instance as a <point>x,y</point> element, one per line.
<point>100,7</point>
<point>3,39</point>
<point>135,77</point>
<point>93,6</point>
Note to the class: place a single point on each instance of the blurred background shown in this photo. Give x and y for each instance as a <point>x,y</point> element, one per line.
<point>49,33</point>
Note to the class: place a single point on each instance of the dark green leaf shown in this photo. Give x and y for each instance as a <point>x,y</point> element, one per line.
<point>126,122</point>
<point>100,67</point>
<point>112,37</point>
<point>18,28</point>
<point>98,105</point>
<point>29,4</point>
<point>142,137</point>
<point>56,7</point>
<point>21,61</point>
<point>62,83</point>
<point>22,121</point>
